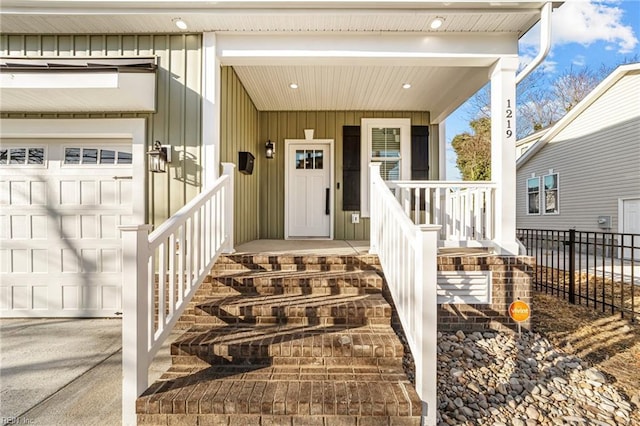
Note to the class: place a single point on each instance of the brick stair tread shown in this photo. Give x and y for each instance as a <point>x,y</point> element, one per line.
<point>302,275</point>
<point>267,344</point>
<point>290,282</point>
<point>273,420</point>
<point>248,307</point>
<point>287,258</point>
<point>276,390</point>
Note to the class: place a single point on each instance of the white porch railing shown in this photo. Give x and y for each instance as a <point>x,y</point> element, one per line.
<point>408,255</point>
<point>464,209</point>
<point>161,273</point>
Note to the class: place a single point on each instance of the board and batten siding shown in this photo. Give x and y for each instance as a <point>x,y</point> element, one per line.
<point>177,120</point>
<point>597,158</point>
<point>239,132</point>
<point>280,125</point>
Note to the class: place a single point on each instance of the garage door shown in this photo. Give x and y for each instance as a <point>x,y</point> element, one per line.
<point>62,202</point>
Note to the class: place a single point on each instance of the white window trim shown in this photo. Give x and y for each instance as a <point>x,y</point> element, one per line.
<point>539,196</point>
<point>116,148</point>
<point>44,164</point>
<point>544,195</point>
<point>365,153</point>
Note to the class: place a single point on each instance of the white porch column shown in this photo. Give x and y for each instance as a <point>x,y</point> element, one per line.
<point>210,110</point>
<point>503,145</point>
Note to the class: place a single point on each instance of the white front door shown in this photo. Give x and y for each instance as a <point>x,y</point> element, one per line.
<point>631,225</point>
<point>62,202</point>
<point>309,192</point>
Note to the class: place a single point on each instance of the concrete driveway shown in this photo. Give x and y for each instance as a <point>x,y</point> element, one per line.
<point>63,371</point>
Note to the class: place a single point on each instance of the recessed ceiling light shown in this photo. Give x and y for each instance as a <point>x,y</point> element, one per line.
<point>180,23</point>
<point>406,86</point>
<point>436,23</point>
<point>293,85</point>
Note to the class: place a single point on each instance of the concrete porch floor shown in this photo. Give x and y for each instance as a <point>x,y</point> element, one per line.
<point>304,247</point>
<point>334,247</point>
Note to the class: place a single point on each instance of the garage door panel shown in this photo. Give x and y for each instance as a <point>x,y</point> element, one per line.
<point>25,297</point>
<point>61,246</point>
<point>69,194</point>
<point>19,192</point>
<point>4,193</point>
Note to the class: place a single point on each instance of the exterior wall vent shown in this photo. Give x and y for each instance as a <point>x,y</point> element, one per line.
<point>464,287</point>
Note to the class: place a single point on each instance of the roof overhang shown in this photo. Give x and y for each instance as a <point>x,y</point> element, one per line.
<point>445,66</point>
<point>77,84</point>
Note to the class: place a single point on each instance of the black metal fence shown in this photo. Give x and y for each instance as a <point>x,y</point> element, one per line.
<point>597,269</point>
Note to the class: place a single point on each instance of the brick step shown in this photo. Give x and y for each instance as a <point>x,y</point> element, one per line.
<point>303,309</point>
<point>296,262</point>
<point>272,420</point>
<point>293,282</point>
<point>287,345</point>
<point>380,393</point>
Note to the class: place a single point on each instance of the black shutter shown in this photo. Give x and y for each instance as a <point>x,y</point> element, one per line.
<point>351,168</point>
<point>419,158</point>
<point>419,152</point>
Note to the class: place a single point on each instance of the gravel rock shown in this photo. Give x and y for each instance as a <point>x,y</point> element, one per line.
<point>504,379</point>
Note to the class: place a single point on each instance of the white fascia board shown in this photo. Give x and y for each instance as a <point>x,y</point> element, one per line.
<point>77,91</point>
<point>464,50</point>
<point>58,80</point>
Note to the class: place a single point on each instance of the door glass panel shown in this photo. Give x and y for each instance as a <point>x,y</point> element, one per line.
<point>17,155</point>
<point>318,159</point>
<point>89,156</point>
<point>300,159</point>
<point>124,157</point>
<point>36,156</point>
<point>72,156</point>
<point>107,156</point>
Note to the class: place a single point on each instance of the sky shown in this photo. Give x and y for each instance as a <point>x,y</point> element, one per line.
<point>585,33</point>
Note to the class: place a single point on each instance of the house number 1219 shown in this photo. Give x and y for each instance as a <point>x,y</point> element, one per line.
<point>509,117</point>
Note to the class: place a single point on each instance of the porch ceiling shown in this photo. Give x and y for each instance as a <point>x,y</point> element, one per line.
<point>360,87</point>
<point>335,85</point>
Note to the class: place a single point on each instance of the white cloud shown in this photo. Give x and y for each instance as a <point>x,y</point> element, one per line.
<point>586,22</point>
<point>547,66</point>
<point>579,60</point>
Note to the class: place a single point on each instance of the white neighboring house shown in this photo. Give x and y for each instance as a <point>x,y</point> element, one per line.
<point>584,172</point>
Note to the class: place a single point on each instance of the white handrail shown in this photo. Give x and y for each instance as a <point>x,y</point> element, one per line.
<point>464,209</point>
<point>408,254</point>
<point>161,273</point>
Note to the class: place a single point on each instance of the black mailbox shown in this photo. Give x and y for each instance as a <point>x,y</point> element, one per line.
<point>245,162</point>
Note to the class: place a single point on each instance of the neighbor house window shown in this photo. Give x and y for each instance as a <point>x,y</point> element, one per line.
<point>551,199</point>
<point>533,195</point>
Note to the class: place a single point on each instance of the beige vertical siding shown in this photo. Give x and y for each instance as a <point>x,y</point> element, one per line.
<point>282,125</point>
<point>597,158</point>
<point>177,121</point>
<point>239,132</point>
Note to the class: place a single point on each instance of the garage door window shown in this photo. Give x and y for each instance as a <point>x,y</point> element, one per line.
<point>20,156</point>
<point>95,156</point>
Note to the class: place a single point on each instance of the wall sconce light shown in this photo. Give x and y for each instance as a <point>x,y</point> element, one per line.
<point>270,149</point>
<point>159,156</point>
